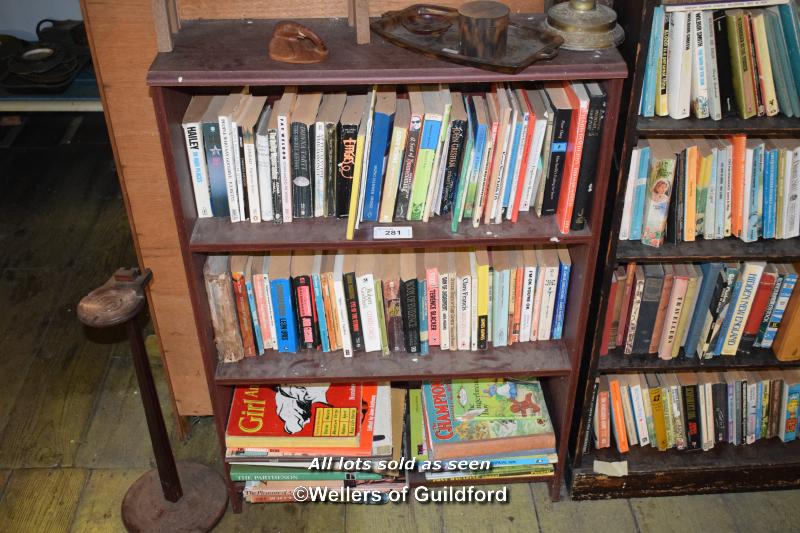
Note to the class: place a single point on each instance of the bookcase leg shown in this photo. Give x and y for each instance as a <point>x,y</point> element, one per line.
<point>555,486</point>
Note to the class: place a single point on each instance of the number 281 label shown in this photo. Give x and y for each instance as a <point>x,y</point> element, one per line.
<point>392,232</point>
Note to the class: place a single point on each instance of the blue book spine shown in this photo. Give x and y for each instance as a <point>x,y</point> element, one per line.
<point>792,400</point>
<point>254,313</point>
<point>789,282</point>
<point>430,134</point>
<point>320,305</point>
<point>759,408</point>
<point>710,274</point>
<point>770,214</point>
<point>731,310</point>
<point>477,151</point>
<point>521,461</point>
<point>381,130</point>
<point>561,301</point>
<point>285,321</point>
<point>789,23</point>
<point>653,52</point>
<point>754,209</point>
<point>639,195</point>
<point>511,163</point>
<point>422,312</point>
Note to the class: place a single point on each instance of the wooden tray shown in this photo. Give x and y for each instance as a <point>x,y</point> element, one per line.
<point>526,44</point>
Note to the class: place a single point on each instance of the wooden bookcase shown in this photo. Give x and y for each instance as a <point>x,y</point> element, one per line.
<point>206,58</point>
<point>767,464</point>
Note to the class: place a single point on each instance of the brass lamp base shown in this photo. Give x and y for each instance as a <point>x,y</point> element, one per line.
<point>584,25</point>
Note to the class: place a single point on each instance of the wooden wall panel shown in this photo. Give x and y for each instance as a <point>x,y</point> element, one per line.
<point>123,46</point>
<point>214,9</point>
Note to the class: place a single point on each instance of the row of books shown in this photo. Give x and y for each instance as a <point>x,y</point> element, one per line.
<point>503,421</point>
<point>713,62</point>
<point>324,435</point>
<point>706,309</point>
<point>695,411</point>
<point>386,156</point>
<point>392,301</point>
<point>684,189</point>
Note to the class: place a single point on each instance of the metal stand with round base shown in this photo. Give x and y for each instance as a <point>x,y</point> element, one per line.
<point>182,497</point>
<point>584,25</point>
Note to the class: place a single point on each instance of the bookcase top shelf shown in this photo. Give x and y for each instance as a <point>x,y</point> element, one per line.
<point>669,127</point>
<point>234,52</point>
<point>729,249</point>
<point>541,358</point>
<point>758,359</point>
<point>220,235</point>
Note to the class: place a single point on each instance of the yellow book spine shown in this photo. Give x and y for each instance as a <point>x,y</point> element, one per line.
<point>690,201</point>
<point>657,406</point>
<point>355,192</point>
<point>765,78</point>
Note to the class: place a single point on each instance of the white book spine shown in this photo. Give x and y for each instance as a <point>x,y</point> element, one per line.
<point>473,314</point>
<point>699,92</point>
<point>319,169</point>
<point>731,409</point>
<point>341,309</point>
<point>230,170</point>
<point>444,315</point>
<point>749,155</point>
<point>464,320</point>
<point>680,431</point>
<point>737,4</point>
<point>286,167</point>
<point>634,317</point>
<point>537,303</point>
<point>726,230</point>
<point>452,309</point>
<point>534,158</point>
<point>528,296</point>
<point>264,178</point>
<point>711,198</point>
<point>516,167</point>
<point>236,144</point>
<point>548,303</point>
<point>369,313</point>
<point>791,198</point>
<point>752,393</point>
<point>639,415</point>
<point>679,65</point>
<point>714,98</point>
<point>709,416</point>
<point>483,176</point>
<point>197,165</point>
<point>722,187</point>
<point>253,191</point>
<point>741,310</point>
<point>630,188</point>
<point>497,203</point>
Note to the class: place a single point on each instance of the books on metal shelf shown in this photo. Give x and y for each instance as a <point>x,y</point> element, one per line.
<point>398,154</point>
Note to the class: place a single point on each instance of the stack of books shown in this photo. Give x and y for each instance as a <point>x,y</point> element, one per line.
<point>715,63</point>
<point>695,411</point>
<point>711,188</point>
<point>398,154</point>
<point>502,424</point>
<point>388,301</point>
<point>705,310</point>
<point>315,435</point>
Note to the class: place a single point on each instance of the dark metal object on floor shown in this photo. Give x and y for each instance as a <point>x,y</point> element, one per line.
<point>584,25</point>
<point>436,31</point>
<point>173,497</point>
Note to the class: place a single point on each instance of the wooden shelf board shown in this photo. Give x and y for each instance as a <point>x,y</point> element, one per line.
<point>767,464</point>
<point>541,358</point>
<point>220,235</point>
<point>730,249</point>
<point>669,127</point>
<point>234,52</point>
<point>758,359</point>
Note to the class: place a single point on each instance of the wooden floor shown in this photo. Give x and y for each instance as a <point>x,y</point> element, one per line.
<point>72,433</point>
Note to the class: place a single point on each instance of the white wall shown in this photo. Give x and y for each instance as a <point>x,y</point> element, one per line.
<point>19,17</point>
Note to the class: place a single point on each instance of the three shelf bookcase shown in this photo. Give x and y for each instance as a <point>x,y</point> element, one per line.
<point>767,464</point>
<point>207,59</point>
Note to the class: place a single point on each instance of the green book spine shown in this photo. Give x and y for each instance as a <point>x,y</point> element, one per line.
<point>259,473</point>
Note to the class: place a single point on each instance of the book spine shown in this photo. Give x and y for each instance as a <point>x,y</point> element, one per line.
<point>714,97</point>
<point>343,316</point>
<point>452,310</point>
<point>651,68</point>
<point>788,285</point>
<point>251,175</point>
<point>353,312</point>
<point>588,165</point>
<point>331,315</point>
<point>197,167</point>
<point>378,288</point>
<point>264,171</point>
<point>324,338</point>
<point>763,302</point>
<point>464,321</point>
<point>444,322</point>
<point>422,313</point>
<point>424,166</point>
<point>677,417</point>
<point>770,213</point>
<point>455,153</point>
<point>306,312</point>
<point>229,151</point>
<point>345,165</point>
<point>528,292</point>
<point>725,73</point>
<point>558,154</point>
<point>639,415</point>
<point>671,328</point>
<point>394,314</point>
<point>640,194</point>
<point>368,312</point>
<point>285,322</point>
<point>251,300</point>
<point>394,170</point>
<point>331,146</point>
<point>741,309</point>
<point>379,149</point>
<point>692,418</point>
<point>700,68</point>
<point>302,193</point>
<point>408,298</point>
<point>285,158</point>
<point>216,170</point>
<point>561,301</point>
<point>662,101</point>
<point>630,334</point>
<point>432,300</point>
<point>243,312</point>
<point>275,174</point>
<point>403,201</point>
<point>320,167</point>
<point>741,66</point>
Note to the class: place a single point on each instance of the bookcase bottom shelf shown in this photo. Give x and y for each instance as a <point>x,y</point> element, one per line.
<point>541,358</point>
<point>729,249</point>
<point>758,359</point>
<point>766,465</point>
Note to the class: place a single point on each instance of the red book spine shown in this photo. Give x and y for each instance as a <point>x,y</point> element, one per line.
<point>606,338</point>
<point>760,302</point>
<point>306,312</point>
<point>572,164</point>
<point>523,165</point>
<point>432,277</point>
<point>243,310</point>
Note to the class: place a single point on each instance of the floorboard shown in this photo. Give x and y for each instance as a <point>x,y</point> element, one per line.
<point>99,508</point>
<point>699,513</point>
<point>41,499</point>
<point>578,517</point>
